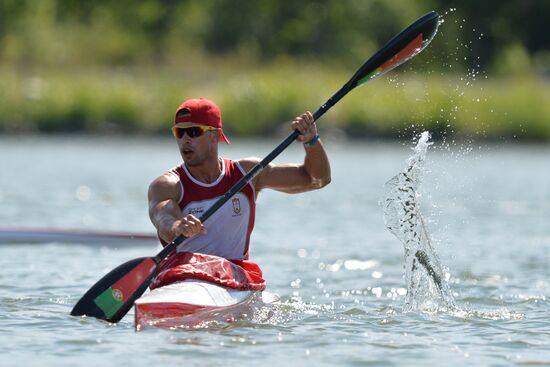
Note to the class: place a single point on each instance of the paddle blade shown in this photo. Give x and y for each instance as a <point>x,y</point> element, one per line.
<point>398,50</point>
<point>114,294</point>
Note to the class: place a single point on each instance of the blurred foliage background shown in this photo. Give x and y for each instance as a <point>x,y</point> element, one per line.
<point>108,66</point>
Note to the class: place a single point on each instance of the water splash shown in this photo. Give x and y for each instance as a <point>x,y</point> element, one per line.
<point>426,279</point>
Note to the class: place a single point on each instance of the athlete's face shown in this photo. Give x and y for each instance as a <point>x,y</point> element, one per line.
<point>197,150</point>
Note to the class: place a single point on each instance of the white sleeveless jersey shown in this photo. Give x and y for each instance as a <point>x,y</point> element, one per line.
<point>230,227</point>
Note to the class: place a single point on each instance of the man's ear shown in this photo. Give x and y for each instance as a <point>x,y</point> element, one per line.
<point>215,135</point>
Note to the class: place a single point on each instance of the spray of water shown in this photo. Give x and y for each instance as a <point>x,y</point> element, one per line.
<point>427,287</point>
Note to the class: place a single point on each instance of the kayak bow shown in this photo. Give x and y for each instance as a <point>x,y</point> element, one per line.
<point>195,303</point>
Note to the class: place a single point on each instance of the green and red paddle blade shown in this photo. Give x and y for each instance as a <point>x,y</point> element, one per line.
<point>398,50</point>
<point>114,294</point>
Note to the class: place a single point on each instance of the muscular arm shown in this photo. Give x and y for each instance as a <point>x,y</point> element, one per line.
<point>165,213</point>
<point>312,174</point>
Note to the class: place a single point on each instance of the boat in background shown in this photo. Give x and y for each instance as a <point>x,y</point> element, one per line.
<point>19,235</point>
<point>196,303</point>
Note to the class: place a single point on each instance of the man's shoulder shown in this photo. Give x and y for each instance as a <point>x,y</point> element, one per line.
<point>248,163</point>
<point>165,186</point>
<point>167,179</point>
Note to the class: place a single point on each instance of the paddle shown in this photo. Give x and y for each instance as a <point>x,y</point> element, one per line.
<point>114,294</point>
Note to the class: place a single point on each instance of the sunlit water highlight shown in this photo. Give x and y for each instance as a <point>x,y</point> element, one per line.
<point>337,269</point>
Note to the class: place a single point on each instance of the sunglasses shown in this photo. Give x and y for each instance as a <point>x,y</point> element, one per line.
<point>193,131</point>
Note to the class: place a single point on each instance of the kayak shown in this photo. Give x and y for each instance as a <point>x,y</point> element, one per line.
<point>196,303</point>
<point>14,235</point>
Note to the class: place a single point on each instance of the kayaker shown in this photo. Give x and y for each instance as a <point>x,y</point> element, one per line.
<point>178,198</point>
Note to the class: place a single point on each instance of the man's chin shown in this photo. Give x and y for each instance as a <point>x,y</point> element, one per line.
<point>190,161</point>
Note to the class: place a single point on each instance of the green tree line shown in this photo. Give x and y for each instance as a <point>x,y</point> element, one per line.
<point>123,32</point>
<point>71,65</point>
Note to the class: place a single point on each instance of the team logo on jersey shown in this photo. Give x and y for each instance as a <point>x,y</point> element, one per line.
<point>236,206</point>
<point>196,211</point>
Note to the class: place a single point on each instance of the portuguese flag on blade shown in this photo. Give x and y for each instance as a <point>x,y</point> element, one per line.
<point>113,298</point>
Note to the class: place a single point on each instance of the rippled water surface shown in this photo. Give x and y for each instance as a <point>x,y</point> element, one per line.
<point>338,270</point>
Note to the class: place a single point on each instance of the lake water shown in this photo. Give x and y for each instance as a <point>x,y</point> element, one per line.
<point>338,270</point>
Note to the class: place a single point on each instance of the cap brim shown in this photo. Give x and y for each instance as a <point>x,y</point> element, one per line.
<point>223,137</point>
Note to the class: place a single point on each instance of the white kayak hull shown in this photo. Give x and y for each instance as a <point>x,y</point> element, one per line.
<point>195,303</point>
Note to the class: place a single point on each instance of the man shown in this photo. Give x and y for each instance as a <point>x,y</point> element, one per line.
<point>179,197</point>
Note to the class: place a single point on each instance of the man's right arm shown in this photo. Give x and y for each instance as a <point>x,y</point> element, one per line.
<point>165,213</point>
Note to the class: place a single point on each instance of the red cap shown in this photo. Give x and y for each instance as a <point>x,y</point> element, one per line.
<point>201,111</point>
